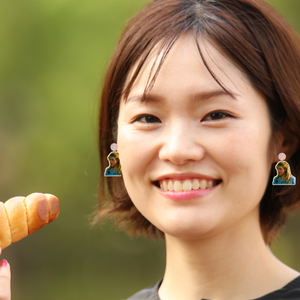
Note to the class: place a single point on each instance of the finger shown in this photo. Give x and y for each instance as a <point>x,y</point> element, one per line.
<point>4,280</point>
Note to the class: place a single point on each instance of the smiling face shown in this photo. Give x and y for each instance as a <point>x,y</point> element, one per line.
<point>190,134</point>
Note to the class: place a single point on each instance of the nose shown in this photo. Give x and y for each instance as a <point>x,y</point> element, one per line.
<point>180,145</point>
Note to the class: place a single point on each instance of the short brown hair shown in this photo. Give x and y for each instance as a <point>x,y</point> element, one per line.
<point>250,33</point>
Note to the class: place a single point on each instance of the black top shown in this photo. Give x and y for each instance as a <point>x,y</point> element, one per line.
<point>289,292</point>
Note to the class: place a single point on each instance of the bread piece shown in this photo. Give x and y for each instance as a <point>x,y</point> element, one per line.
<point>21,216</point>
<point>5,234</point>
<point>17,219</point>
<point>53,205</point>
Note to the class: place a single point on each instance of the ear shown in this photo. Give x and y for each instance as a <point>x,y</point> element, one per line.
<point>284,143</point>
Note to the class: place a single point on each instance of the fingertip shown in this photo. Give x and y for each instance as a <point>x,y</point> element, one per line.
<point>4,272</point>
<point>4,263</point>
<point>5,280</point>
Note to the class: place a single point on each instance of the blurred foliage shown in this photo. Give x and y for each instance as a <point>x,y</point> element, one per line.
<point>52,58</point>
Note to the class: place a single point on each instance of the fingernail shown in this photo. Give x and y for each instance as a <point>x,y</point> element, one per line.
<point>3,263</point>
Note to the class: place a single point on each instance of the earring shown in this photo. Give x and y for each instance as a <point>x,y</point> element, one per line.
<point>114,168</point>
<point>281,156</point>
<point>284,175</point>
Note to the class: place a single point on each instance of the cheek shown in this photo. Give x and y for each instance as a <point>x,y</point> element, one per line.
<point>245,166</point>
<point>136,156</point>
<point>242,155</point>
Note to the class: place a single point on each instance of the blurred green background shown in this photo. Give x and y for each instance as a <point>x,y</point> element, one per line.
<point>52,58</point>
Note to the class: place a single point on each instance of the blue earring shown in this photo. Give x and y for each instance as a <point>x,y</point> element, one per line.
<point>284,175</point>
<point>114,168</point>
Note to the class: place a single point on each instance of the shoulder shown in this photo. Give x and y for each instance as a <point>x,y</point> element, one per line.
<point>149,293</point>
<point>107,171</point>
<point>289,292</point>
<point>292,179</point>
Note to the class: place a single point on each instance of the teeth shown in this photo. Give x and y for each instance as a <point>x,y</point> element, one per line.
<point>171,185</point>
<point>203,184</point>
<point>165,185</point>
<point>177,186</point>
<point>186,185</point>
<point>196,184</point>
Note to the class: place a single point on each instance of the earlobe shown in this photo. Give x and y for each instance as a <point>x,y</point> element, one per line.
<point>277,143</point>
<point>287,144</point>
<point>290,148</point>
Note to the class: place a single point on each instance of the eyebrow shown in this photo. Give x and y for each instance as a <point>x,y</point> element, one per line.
<point>202,96</point>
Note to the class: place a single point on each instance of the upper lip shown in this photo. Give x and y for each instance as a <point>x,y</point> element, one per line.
<point>183,176</point>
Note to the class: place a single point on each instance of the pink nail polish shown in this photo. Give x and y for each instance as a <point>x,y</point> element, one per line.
<point>3,263</point>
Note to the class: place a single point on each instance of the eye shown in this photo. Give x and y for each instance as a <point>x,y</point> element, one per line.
<point>217,115</point>
<point>147,119</point>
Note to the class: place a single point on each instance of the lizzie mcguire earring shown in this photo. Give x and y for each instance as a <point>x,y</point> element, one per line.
<point>114,168</point>
<point>284,176</point>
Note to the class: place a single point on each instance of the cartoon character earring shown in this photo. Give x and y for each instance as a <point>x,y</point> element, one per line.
<point>114,168</point>
<point>284,175</point>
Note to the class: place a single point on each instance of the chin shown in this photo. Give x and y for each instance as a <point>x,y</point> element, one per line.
<point>191,229</point>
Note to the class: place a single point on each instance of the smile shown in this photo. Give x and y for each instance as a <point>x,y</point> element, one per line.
<point>187,189</point>
<point>187,184</point>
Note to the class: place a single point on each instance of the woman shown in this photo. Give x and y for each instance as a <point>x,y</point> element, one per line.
<point>284,175</point>
<point>200,93</point>
<point>197,94</point>
<point>114,168</point>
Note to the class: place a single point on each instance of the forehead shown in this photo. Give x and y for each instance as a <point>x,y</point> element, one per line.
<point>184,65</point>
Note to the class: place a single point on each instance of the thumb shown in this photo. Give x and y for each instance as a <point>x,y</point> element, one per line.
<point>5,293</point>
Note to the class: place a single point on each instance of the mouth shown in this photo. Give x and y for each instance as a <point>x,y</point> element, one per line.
<point>186,185</point>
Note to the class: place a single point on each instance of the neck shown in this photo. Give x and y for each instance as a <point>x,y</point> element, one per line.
<point>232,265</point>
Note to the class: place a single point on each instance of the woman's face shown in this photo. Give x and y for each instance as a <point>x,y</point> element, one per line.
<point>281,171</point>
<point>112,161</point>
<point>189,130</point>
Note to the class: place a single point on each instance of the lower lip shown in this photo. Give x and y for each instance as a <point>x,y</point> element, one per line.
<point>182,196</point>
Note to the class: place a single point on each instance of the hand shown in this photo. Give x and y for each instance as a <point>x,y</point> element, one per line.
<point>4,279</point>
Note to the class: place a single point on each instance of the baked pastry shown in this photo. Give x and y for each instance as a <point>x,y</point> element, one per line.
<point>20,216</point>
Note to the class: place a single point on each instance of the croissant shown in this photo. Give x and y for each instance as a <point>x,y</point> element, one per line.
<point>20,216</point>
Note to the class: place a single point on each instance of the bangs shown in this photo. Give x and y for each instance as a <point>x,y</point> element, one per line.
<point>161,50</point>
